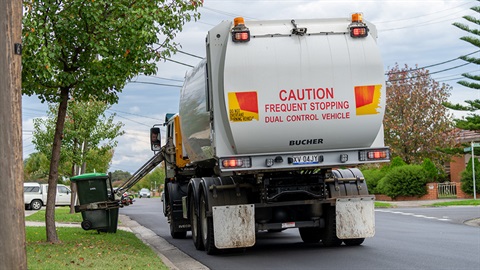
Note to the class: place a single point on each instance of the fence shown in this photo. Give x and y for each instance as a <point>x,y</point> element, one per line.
<point>447,190</point>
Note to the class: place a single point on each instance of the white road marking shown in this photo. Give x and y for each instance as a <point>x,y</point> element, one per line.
<point>412,214</point>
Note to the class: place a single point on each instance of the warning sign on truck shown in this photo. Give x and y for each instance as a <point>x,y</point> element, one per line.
<point>243,106</point>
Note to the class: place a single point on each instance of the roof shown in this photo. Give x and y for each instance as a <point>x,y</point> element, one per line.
<point>466,136</point>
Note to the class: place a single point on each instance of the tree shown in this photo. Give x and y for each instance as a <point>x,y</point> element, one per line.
<point>467,178</point>
<point>153,180</point>
<point>85,129</point>
<point>90,49</point>
<point>120,175</point>
<point>88,135</point>
<point>472,121</point>
<point>416,122</point>
<point>35,167</point>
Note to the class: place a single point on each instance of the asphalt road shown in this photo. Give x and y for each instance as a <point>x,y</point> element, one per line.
<point>408,238</point>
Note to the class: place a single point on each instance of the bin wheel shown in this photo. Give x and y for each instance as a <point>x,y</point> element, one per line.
<point>86,225</point>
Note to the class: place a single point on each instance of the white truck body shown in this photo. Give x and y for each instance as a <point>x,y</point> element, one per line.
<point>320,94</point>
<point>35,195</point>
<point>265,121</point>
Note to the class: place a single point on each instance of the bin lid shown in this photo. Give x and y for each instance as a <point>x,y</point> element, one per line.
<point>88,176</point>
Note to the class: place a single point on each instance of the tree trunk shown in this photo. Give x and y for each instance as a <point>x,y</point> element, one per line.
<point>73,196</point>
<point>55,160</point>
<point>84,154</point>
<point>73,187</point>
<point>12,217</point>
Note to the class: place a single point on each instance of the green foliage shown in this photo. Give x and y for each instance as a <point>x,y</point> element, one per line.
<point>373,176</point>
<point>88,137</point>
<point>92,48</point>
<point>467,178</point>
<point>119,175</point>
<point>35,168</point>
<point>472,121</point>
<point>153,180</point>
<point>407,180</point>
<point>431,170</point>
<point>395,162</point>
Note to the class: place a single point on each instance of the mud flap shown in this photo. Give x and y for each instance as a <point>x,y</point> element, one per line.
<point>355,217</point>
<point>234,226</point>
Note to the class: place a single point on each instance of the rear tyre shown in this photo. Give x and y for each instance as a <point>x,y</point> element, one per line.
<point>36,205</point>
<point>310,235</point>
<point>353,242</point>
<point>207,228</point>
<point>329,233</point>
<point>195,225</point>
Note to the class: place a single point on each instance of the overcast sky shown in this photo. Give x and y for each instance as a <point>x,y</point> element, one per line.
<point>411,32</point>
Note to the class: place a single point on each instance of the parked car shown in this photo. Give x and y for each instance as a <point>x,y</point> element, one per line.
<point>144,192</point>
<point>35,195</point>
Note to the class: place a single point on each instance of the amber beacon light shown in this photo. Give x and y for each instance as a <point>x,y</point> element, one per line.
<point>240,33</point>
<point>358,28</point>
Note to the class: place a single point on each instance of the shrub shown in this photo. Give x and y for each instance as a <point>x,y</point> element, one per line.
<point>431,170</point>
<point>372,177</point>
<point>397,162</point>
<point>467,178</point>
<point>407,180</point>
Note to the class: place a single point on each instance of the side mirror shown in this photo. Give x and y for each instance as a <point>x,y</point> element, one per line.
<point>155,139</point>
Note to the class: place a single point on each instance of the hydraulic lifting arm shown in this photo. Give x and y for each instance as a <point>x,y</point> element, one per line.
<point>144,170</point>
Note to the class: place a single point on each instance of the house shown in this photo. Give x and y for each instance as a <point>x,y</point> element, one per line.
<point>458,163</point>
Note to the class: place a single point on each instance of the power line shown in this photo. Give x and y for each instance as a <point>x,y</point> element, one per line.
<point>134,114</point>
<point>434,13</point>
<point>443,70</point>
<point>133,120</point>
<point>161,84</point>
<point>433,65</point>
<point>227,13</point>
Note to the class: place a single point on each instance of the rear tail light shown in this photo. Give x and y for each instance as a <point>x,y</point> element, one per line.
<point>240,33</point>
<point>370,155</point>
<point>232,163</point>
<point>358,28</point>
<point>359,32</point>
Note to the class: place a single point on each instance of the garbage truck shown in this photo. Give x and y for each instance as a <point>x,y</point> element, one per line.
<point>271,128</point>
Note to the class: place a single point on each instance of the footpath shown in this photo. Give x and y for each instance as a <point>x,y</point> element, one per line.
<point>176,259</point>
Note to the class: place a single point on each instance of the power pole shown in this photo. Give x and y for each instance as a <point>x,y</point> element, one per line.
<point>12,213</point>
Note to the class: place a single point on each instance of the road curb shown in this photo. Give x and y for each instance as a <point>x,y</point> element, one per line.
<point>173,258</point>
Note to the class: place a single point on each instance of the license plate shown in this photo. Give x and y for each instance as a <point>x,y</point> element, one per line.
<point>306,159</point>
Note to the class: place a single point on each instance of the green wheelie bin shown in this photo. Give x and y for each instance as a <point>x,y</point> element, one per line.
<point>97,205</point>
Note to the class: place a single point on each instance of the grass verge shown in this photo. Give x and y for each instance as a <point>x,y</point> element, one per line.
<point>62,214</point>
<point>457,203</point>
<point>383,205</point>
<point>81,249</point>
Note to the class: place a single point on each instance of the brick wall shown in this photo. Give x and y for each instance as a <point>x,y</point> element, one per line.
<point>432,189</point>
<point>457,165</point>
<point>461,194</point>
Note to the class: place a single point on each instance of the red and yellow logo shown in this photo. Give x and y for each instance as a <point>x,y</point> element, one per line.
<point>367,99</point>
<point>242,106</point>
